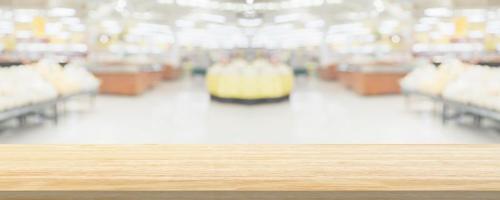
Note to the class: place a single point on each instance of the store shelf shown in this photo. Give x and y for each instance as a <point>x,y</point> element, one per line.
<point>409,92</point>
<point>372,80</point>
<point>454,110</point>
<point>329,72</point>
<point>33,108</point>
<point>170,72</point>
<point>41,107</point>
<point>406,172</point>
<point>125,69</point>
<point>381,69</point>
<point>127,80</point>
<point>463,109</point>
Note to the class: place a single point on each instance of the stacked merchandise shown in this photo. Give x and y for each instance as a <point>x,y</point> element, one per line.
<point>465,83</point>
<point>30,84</point>
<point>478,85</point>
<point>67,80</point>
<point>428,79</point>
<point>21,86</point>
<point>240,81</point>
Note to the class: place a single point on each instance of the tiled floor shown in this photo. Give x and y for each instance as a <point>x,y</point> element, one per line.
<point>318,112</point>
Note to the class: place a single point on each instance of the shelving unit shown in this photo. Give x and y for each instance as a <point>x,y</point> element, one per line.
<point>39,108</point>
<point>328,72</point>
<point>49,109</point>
<point>127,80</point>
<point>372,80</point>
<point>452,110</point>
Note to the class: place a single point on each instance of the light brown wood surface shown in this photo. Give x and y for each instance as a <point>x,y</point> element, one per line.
<point>344,169</point>
<point>250,167</point>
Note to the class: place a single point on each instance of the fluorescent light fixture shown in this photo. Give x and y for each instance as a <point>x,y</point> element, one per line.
<point>166,1</point>
<point>350,27</point>
<point>493,27</point>
<point>70,20</point>
<point>53,28</point>
<point>429,20</point>
<point>334,1</point>
<point>24,34</point>
<point>388,26</point>
<point>212,18</point>
<point>446,28</point>
<point>423,27</point>
<point>438,12</point>
<point>111,26</point>
<point>24,18</point>
<point>62,12</point>
<point>184,23</point>
<point>379,5</point>
<point>315,24</point>
<point>287,18</point>
<point>143,15</point>
<point>250,22</point>
<point>77,28</point>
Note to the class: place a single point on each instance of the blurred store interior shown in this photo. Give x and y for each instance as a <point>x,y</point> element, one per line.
<point>254,71</point>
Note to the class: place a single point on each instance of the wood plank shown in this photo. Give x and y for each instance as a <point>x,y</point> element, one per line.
<point>338,170</point>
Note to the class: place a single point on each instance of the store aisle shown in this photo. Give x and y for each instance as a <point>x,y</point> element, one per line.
<point>181,112</point>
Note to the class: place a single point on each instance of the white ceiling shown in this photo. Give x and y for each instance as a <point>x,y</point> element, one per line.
<point>348,10</point>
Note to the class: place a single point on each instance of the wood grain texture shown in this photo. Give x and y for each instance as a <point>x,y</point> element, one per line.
<point>237,168</point>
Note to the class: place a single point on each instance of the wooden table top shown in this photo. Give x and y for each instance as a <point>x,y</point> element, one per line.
<point>249,168</point>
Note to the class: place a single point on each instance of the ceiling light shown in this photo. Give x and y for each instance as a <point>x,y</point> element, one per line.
<point>121,6</point>
<point>70,20</point>
<point>184,23</point>
<point>438,12</point>
<point>62,12</point>
<point>379,5</point>
<point>315,24</point>
<point>212,18</point>
<point>334,1</point>
<point>250,22</point>
<point>287,18</point>
<point>166,1</point>
<point>348,28</point>
<point>429,20</point>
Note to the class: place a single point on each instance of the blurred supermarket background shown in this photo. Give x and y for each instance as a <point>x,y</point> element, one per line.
<point>249,71</point>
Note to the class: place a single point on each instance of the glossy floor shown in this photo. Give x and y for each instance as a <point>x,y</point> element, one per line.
<point>318,112</point>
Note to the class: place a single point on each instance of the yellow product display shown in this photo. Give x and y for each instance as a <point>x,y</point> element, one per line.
<point>249,82</point>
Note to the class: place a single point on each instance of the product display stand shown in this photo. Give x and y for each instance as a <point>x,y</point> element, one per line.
<point>453,110</point>
<point>42,108</point>
<point>241,172</point>
<point>372,80</point>
<point>90,94</point>
<point>328,72</point>
<point>250,101</point>
<point>126,80</point>
<point>170,72</point>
